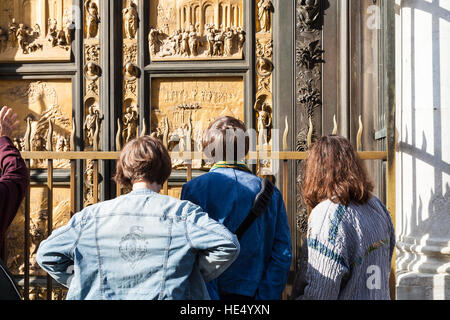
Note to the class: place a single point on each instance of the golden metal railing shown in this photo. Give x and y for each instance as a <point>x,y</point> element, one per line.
<point>284,157</point>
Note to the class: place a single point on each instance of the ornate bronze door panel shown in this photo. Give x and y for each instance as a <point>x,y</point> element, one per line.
<point>87,76</point>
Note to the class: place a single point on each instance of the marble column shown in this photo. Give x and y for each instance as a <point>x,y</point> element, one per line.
<point>423,157</point>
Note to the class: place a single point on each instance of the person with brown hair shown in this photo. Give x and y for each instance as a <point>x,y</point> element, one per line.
<point>230,193</point>
<point>142,245</point>
<point>350,241</point>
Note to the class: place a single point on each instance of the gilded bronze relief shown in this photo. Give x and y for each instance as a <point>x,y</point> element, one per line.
<point>196,30</point>
<point>35,30</point>
<point>37,102</point>
<point>183,108</point>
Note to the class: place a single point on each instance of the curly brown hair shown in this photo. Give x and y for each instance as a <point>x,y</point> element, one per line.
<point>334,171</point>
<point>143,159</point>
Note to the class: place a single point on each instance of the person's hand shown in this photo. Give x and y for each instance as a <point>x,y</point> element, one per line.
<point>8,122</point>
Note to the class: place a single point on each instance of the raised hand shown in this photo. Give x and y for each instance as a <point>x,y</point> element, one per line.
<point>8,122</point>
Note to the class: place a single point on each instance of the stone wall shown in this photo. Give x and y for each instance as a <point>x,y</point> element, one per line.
<point>423,158</point>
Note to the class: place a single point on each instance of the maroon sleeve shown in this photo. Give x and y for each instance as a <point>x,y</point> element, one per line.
<point>14,181</point>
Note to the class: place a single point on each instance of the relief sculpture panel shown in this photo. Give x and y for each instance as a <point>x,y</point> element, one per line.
<point>183,108</point>
<point>196,30</point>
<point>264,81</point>
<point>93,116</point>
<point>130,109</point>
<point>37,102</point>
<point>36,30</point>
<point>38,227</point>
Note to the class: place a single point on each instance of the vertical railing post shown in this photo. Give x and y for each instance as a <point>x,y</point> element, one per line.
<point>26,251</point>
<point>73,172</point>
<point>119,148</point>
<point>49,147</point>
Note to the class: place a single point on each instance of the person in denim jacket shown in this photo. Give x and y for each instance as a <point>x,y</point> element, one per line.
<point>227,193</point>
<point>142,245</point>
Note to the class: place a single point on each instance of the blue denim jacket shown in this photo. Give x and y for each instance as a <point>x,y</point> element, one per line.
<point>138,246</point>
<point>261,270</point>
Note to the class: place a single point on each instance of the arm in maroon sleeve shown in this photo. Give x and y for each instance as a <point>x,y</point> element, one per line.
<point>14,181</point>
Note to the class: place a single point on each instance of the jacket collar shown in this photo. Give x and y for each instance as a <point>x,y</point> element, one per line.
<point>237,165</point>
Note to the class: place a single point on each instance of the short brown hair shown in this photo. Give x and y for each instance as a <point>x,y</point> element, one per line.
<point>334,171</point>
<point>225,133</point>
<point>143,159</point>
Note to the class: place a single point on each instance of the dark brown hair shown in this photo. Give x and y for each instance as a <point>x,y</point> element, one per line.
<point>143,159</point>
<point>334,171</point>
<point>223,134</point>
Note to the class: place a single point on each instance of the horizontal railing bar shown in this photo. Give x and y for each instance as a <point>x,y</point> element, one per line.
<point>90,155</point>
<point>38,281</point>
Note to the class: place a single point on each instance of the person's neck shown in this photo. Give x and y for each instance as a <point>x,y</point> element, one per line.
<point>142,185</point>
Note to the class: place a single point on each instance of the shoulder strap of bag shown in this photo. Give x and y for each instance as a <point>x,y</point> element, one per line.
<point>260,205</point>
<point>8,287</point>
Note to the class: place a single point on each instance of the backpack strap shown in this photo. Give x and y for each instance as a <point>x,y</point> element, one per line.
<point>260,205</point>
<point>8,286</point>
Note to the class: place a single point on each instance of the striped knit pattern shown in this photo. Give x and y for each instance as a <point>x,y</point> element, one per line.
<point>342,248</point>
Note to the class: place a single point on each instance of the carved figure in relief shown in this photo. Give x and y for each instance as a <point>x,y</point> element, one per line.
<point>171,46</point>
<point>198,137</point>
<point>37,234</point>
<point>177,137</point>
<point>184,49</point>
<point>241,38</point>
<point>177,41</point>
<point>130,20</point>
<point>92,19</point>
<point>264,66</point>
<point>12,31</point>
<point>210,39</point>
<point>36,31</point>
<point>62,144</point>
<point>61,40</point>
<point>89,183</point>
<point>130,122</point>
<point>219,43</point>
<point>194,41</point>
<point>265,9</point>
<point>228,44</point>
<point>309,12</point>
<point>68,26</point>
<point>154,40</point>
<point>131,70</point>
<point>21,35</point>
<point>52,35</point>
<point>264,122</point>
<point>165,28</point>
<point>92,123</point>
<point>92,71</point>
